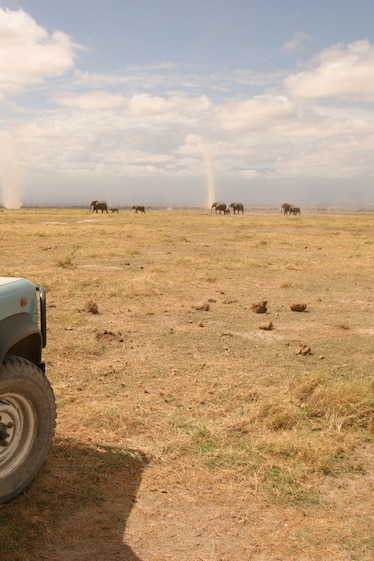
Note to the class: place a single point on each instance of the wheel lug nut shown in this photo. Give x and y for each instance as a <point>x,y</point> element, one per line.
<point>9,425</point>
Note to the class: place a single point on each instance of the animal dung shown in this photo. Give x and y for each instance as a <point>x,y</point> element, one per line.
<point>298,307</point>
<point>304,350</point>
<point>91,307</point>
<point>110,335</point>
<point>202,306</point>
<point>267,327</point>
<point>260,308</point>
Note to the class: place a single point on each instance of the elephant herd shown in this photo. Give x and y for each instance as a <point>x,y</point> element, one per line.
<point>287,208</point>
<point>95,206</point>
<point>219,207</point>
<point>222,208</point>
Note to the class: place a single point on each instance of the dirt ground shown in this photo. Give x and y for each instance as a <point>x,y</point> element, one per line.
<point>191,428</point>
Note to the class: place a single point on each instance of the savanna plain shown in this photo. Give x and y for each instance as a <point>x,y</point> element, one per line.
<point>191,428</point>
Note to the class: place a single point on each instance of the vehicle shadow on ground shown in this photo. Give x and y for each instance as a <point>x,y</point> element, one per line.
<point>77,508</point>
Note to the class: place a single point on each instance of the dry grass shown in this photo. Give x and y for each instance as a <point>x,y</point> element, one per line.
<point>185,432</point>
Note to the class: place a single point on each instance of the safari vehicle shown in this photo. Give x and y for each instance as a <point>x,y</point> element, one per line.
<point>27,402</point>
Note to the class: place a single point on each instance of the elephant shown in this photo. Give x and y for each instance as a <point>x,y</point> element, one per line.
<point>138,208</point>
<point>295,210</point>
<point>99,205</point>
<point>237,207</point>
<point>220,207</point>
<point>286,208</point>
<point>114,209</point>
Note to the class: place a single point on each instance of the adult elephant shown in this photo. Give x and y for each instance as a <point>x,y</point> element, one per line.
<point>138,208</point>
<point>219,207</point>
<point>237,207</point>
<point>92,204</point>
<point>99,205</point>
<point>286,208</point>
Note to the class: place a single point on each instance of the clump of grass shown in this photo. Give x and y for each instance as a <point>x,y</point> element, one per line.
<point>132,251</point>
<point>204,439</point>
<point>341,403</point>
<point>287,439</point>
<point>68,261</point>
<point>336,403</point>
<point>277,416</point>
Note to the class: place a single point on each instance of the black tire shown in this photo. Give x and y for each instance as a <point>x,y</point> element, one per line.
<point>27,424</point>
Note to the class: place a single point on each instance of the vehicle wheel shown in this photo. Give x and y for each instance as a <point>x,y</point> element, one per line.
<point>27,424</point>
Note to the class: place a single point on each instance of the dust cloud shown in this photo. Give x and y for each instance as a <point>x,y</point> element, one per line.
<point>209,172</point>
<point>12,175</point>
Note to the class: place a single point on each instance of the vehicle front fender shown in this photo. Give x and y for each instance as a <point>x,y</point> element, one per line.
<point>21,336</point>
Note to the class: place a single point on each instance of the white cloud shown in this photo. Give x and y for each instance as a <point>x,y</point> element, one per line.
<point>252,174</point>
<point>92,100</point>
<point>345,73</point>
<point>342,158</point>
<point>28,54</point>
<point>174,137</point>
<point>296,42</point>
<point>256,113</point>
<point>145,104</point>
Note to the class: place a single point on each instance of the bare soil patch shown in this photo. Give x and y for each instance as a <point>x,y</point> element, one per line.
<point>190,426</point>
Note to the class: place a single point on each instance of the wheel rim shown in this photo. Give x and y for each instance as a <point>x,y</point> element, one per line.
<point>17,423</point>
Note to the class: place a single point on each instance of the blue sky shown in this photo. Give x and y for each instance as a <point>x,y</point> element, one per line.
<point>181,102</point>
